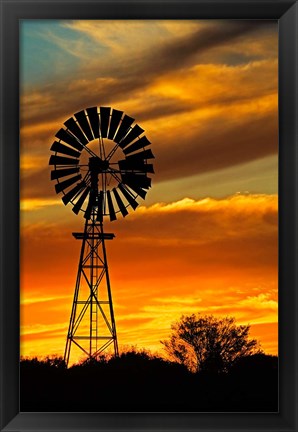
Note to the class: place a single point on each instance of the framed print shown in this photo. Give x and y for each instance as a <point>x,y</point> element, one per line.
<point>148,215</point>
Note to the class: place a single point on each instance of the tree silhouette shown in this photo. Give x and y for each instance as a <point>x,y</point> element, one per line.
<point>209,344</point>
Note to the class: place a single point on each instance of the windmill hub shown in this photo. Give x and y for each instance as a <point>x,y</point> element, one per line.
<point>97,165</point>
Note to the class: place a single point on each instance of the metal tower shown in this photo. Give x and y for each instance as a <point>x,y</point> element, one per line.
<point>92,325</point>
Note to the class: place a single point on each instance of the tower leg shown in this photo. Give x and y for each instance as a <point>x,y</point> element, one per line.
<point>109,294</point>
<point>92,327</point>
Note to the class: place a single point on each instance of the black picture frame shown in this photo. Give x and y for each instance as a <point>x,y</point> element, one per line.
<point>286,12</point>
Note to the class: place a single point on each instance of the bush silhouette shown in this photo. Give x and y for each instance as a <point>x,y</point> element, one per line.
<point>209,344</point>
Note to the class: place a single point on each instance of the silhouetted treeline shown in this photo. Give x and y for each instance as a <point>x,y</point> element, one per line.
<point>139,381</point>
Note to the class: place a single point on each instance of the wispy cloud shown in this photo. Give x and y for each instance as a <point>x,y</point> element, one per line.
<point>41,299</point>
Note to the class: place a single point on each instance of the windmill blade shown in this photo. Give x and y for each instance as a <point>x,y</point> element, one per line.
<point>138,190</point>
<point>91,203</point>
<point>84,125</point>
<point>134,204</point>
<point>135,165</point>
<point>100,207</point>
<point>133,134</point>
<point>76,131</point>
<point>61,148</point>
<point>137,180</point>
<point>111,206</point>
<point>94,120</point>
<point>78,205</point>
<point>59,187</point>
<point>114,123</point>
<point>123,128</point>
<point>73,192</point>
<point>145,154</point>
<point>104,121</point>
<point>63,135</point>
<point>63,173</point>
<point>120,203</point>
<point>141,143</point>
<point>60,160</point>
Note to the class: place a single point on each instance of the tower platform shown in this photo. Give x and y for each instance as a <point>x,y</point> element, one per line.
<point>93,235</point>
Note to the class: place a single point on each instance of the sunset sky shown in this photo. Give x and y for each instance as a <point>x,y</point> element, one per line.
<point>205,238</point>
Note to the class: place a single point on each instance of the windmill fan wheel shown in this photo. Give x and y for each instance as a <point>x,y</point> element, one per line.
<point>100,163</point>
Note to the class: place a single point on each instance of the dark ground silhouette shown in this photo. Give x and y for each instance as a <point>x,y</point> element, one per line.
<point>138,381</point>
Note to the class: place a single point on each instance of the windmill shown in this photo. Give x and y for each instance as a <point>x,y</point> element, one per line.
<point>100,166</point>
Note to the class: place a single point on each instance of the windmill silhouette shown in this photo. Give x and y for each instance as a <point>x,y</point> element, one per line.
<point>100,167</point>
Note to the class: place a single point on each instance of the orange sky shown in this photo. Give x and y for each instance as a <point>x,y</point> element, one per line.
<point>205,238</point>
